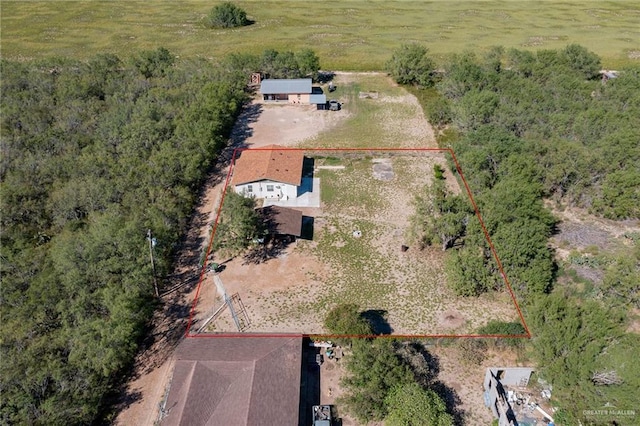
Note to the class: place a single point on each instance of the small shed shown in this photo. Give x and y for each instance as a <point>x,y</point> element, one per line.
<point>282,221</point>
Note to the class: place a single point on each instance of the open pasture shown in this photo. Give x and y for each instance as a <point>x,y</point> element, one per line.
<point>347,35</point>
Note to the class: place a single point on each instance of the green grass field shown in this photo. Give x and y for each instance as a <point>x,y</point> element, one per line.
<point>348,35</point>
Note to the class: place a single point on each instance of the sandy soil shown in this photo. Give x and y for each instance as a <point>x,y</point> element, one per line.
<point>579,230</point>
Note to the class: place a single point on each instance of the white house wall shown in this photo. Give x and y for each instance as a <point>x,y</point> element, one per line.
<point>261,190</point>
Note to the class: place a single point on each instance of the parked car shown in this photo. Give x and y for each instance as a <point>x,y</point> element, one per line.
<point>334,105</point>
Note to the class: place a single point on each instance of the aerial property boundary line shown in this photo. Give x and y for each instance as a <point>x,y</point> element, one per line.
<point>203,271</point>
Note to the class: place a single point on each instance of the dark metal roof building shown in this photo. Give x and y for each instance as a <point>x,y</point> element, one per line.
<point>285,86</point>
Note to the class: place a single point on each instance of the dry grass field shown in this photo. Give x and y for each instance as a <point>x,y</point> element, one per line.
<point>348,35</point>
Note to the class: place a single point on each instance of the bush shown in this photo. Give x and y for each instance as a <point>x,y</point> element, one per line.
<point>226,15</point>
<point>439,112</point>
<point>411,65</point>
<point>506,328</point>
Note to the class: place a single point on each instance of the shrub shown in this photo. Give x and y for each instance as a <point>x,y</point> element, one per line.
<point>226,15</point>
<point>410,64</point>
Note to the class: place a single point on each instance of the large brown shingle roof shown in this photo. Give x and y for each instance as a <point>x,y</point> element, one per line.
<point>235,381</point>
<point>271,162</point>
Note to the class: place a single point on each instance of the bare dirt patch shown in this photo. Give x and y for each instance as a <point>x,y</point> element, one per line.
<point>383,169</point>
<point>578,230</point>
<point>581,234</point>
<point>451,319</point>
<point>287,125</point>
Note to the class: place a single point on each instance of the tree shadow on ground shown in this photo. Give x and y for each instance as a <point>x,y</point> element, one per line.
<point>378,320</point>
<point>452,401</point>
<point>271,249</point>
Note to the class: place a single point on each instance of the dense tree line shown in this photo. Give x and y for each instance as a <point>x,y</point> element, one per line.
<point>93,154</point>
<point>532,125</point>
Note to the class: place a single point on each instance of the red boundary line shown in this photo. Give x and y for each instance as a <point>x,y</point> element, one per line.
<point>527,333</point>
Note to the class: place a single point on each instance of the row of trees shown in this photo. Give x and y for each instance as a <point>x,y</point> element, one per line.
<point>527,126</point>
<point>94,154</point>
<point>387,380</point>
<point>276,64</point>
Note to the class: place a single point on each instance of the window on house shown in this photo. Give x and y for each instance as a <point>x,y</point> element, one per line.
<point>249,188</point>
<point>269,188</point>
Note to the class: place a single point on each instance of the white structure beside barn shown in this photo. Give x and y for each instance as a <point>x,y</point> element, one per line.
<point>272,172</point>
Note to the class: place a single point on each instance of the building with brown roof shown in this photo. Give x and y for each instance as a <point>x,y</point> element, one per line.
<point>235,381</point>
<point>282,220</point>
<point>269,172</point>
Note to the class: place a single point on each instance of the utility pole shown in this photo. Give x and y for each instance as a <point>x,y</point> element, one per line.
<point>153,264</point>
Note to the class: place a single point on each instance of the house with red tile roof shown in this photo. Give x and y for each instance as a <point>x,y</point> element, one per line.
<point>272,172</point>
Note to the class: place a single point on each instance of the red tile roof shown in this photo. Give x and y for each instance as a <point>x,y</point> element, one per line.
<point>271,162</point>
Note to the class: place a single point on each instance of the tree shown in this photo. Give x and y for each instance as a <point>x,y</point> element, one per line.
<point>239,223</point>
<point>308,63</point>
<point>410,64</point>
<point>347,319</point>
<point>440,217</point>
<point>154,63</point>
<point>581,60</point>
<point>411,405</point>
<point>621,282</point>
<point>505,328</point>
<point>374,368</point>
<point>226,15</point>
<point>467,272</point>
<point>95,153</point>
<point>439,112</point>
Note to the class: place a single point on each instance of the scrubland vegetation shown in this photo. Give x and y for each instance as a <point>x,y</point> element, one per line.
<point>533,126</point>
<point>93,154</point>
<point>98,151</point>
